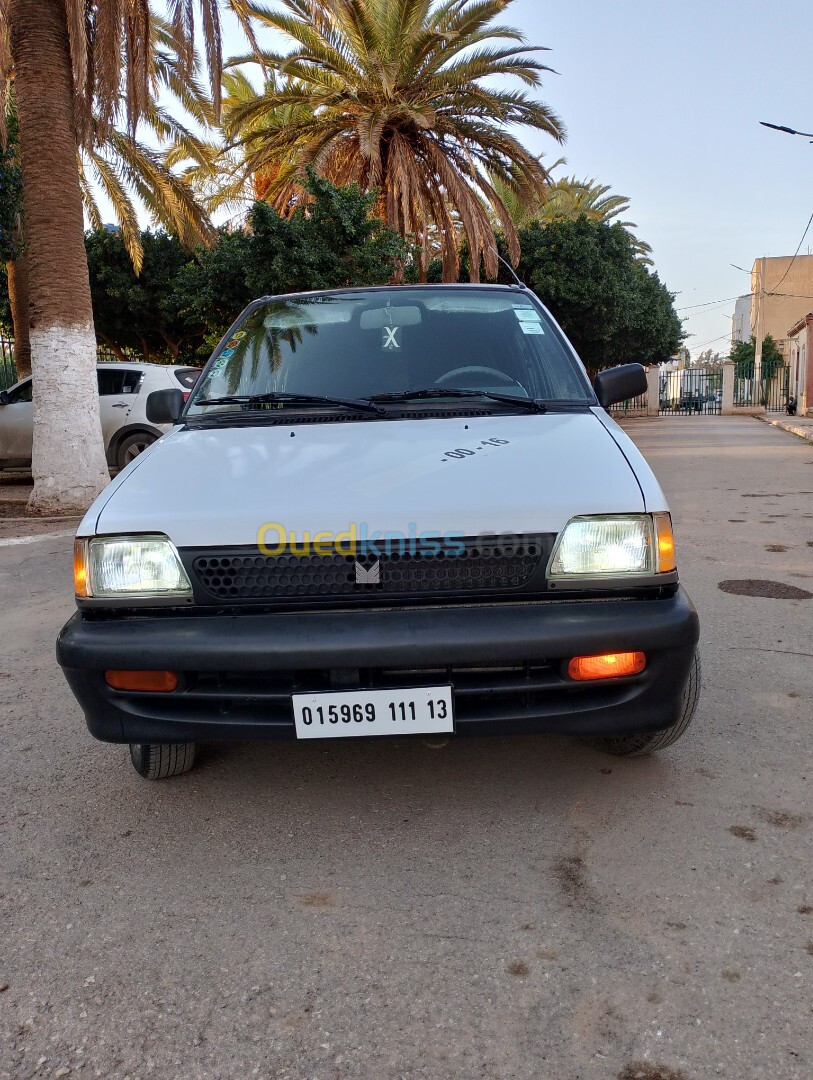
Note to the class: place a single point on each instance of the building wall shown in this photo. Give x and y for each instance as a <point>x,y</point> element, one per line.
<point>741,320</point>
<point>795,295</point>
<point>800,358</point>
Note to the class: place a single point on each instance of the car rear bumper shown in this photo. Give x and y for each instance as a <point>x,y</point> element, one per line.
<point>507,664</point>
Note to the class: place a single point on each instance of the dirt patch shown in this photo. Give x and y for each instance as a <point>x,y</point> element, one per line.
<point>731,976</point>
<point>809,948</point>
<point>649,1070</point>
<point>780,818</point>
<point>547,954</point>
<point>518,968</point>
<point>773,590</point>
<point>317,899</point>
<point>743,832</point>
<point>805,909</point>
<point>570,873</point>
<point>676,925</point>
<point>776,547</point>
<point>737,521</point>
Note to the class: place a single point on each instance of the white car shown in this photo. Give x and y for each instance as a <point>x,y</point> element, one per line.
<point>123,392</point>
<point>384,511</point>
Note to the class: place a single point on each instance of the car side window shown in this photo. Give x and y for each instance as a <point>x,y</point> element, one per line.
<point>113,383</point>
<point>21,393</point>
<point>132,381</point>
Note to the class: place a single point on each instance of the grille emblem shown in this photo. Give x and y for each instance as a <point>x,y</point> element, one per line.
<point>368,575</point>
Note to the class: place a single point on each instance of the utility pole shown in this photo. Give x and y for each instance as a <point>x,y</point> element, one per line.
<point>760,326</point>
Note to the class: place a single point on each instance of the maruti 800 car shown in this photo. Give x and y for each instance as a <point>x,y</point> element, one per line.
<point>384,511</point>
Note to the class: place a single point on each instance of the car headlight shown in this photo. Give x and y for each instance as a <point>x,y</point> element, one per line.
<point>613,546</point>
<point>108,567</point>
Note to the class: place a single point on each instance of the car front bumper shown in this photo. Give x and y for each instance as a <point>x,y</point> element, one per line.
<point>506,662</point>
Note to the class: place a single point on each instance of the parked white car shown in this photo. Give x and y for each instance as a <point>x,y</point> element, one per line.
<point>385,511</point>
<point>123,392</point>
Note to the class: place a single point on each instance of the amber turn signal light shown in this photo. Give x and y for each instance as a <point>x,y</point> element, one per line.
<point>666,543</point>
<point>608,666</point>
<point>160,681</point>
<point>80,567</point>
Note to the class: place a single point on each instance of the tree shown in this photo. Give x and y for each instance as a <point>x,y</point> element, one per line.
<point>337,242</point>
<point>141,313</point>
<point>612,308</point>
<point>70,60</point>
<point>397,95</point>
<point>743,353</point>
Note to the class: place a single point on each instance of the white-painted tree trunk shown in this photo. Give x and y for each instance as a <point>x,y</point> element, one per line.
<point>68,463</point>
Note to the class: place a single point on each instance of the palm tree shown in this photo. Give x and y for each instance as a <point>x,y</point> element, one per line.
<point>122,166</point>
<point>397,95</point>
<point>568,198</point>
<point>70,60</point>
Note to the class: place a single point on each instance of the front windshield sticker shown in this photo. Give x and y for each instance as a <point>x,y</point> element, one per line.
<point>235,341</point>
<point>527,314</point>
<point>239,334</point>
<point>531,328</point>
<point>227,353</point>
<point>389,337</point>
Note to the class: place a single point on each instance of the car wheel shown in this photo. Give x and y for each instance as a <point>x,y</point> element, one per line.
<point>159,761</point>
<point>648,741</point>
<point>132,446</point>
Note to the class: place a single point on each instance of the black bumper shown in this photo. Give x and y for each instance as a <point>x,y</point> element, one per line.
<point>507,664</point>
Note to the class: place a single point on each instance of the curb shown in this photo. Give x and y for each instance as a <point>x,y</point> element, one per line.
<point>801,431</point>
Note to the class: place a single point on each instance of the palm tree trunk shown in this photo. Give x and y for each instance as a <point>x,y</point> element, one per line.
<point>18,300</point>
<point>68,464</point>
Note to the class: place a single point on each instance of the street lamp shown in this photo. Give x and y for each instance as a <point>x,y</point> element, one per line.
<point>787,130</point>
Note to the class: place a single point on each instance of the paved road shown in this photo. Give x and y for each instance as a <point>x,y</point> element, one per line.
<point>522,908</point>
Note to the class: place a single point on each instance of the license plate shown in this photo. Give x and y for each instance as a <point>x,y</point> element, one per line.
<point>423,710</point>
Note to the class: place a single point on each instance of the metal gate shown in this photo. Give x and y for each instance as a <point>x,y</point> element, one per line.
<point>8,369</point>
<point>685,392</point>
<point>771,391</point>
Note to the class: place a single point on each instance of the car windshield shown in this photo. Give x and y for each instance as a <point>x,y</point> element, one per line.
<point>391,343</point>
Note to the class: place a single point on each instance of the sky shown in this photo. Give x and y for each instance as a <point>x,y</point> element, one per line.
<point>662,101</point>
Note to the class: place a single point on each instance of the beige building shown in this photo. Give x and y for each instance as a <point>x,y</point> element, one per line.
<point>787,297</point>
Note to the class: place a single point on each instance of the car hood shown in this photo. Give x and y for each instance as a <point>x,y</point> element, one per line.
<point>501,473</point>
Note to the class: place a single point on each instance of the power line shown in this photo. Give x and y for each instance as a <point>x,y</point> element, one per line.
<point>796,252</point>
<point>712,303</point>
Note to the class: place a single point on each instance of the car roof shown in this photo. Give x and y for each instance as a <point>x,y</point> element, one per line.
<point>372,289</point>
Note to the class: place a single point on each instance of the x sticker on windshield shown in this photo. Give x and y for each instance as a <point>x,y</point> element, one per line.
<point>389,337</point>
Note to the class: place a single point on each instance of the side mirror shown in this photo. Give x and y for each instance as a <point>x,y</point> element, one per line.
<point>619,383</point>
<point>164,406</point>
<point>3,397</point>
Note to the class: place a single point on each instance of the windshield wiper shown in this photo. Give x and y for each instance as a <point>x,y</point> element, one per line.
<point>531,404</point>
<point>365,405</point>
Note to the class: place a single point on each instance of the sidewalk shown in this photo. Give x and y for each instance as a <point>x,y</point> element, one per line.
<point>794,425</point>
<point>15,487</point>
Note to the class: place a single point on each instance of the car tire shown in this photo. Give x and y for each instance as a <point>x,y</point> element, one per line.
<point>159,761</point>
<point>649,741</point>
<point>131,446</point>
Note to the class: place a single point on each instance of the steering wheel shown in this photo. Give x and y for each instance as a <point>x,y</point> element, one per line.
<point>474,377</point>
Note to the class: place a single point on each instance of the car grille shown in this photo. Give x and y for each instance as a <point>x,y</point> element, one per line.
<point>484,568</point>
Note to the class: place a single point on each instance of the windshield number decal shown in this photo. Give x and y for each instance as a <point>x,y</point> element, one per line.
<point>462,452</point>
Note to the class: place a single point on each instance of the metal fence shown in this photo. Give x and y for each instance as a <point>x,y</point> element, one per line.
<point>771,391</point>
<point>687,392</point>
<point>631,405</point>
<point>8,369</point>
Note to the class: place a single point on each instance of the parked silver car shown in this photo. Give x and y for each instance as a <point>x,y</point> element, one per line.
<point>123,392</point>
